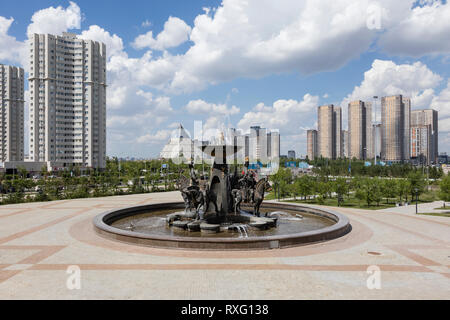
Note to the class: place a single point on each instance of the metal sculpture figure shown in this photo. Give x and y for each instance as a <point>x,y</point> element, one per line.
<point>261,187</point>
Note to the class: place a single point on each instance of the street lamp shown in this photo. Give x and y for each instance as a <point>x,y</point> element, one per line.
<point>416,191</point>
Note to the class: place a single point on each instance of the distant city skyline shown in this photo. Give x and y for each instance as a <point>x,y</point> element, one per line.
<point>166,66</point>
<point>401,136</point>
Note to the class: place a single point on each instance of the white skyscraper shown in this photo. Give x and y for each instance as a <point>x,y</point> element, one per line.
<point>11,113</point>
<point>67,101</point>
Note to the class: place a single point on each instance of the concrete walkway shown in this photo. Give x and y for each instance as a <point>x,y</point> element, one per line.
<point>421,208</point>
<point>41,242</point>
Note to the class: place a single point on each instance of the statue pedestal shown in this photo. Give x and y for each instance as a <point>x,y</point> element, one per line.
<point>220,193</point>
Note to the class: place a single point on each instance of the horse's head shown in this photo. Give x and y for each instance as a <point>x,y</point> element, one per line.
<point>263,185</point>
<point>267,186</point>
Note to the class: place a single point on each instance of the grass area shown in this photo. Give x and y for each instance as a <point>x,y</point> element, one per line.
<point>352,202</point>
<point>347,203</point>
<point>429,196</point>
<point>440,214</point>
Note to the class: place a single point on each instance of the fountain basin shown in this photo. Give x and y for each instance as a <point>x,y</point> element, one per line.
<point>337,225</point>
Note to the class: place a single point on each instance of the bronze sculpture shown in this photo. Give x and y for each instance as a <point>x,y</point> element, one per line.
<point>211,205</point>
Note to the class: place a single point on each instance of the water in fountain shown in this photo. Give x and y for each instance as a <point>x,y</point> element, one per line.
<point>285,216</point>
<point>240,231</point>
<point>243,230</point>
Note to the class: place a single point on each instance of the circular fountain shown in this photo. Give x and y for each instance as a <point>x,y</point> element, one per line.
<point>213,218</point>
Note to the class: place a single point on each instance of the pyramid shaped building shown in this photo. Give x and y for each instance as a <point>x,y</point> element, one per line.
<point>180,145</point>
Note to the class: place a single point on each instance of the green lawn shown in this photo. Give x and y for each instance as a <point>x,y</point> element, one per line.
<point>429,196</point>
<point>440,214</point>
<point>352,202</point>
<point>348,203</point>
<point>442,208</point>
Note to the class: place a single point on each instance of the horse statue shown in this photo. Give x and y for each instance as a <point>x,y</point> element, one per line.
<point>195,197</point>
<point>237,196</point>
<point>258,196</point>
<point>192,196</point>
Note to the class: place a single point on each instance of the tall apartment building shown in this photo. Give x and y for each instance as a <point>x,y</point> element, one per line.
<point>258,143</point>
<point>395,133</point>
<point>376,134</point>
<point>67,101</point>
<point>312,147</point>
<point>420,148</point>
<point>273,145</point>
<point>330,132</point>
<point>345,143</point>
<point>428,117</point>
<point>360,130</point>
<point>11,113</point>
<point>338,132</point>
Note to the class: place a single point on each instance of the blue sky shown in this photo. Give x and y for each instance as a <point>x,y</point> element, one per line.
<point>239,64</point>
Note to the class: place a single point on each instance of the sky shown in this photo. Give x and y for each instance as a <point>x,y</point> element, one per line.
<point>237,63</point>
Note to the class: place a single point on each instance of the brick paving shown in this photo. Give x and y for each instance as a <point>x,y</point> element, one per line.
<point>39,241</point>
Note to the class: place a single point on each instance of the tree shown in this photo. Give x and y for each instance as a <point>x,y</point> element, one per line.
<point>389,189</point>
<point>417,183</point>
<point>402,189</point>
<point>376,190</point>
<point>444,192</point>
<point>340,187</point>
<point>322,189</point>
<point>303,186</point>
<point>281,180</point>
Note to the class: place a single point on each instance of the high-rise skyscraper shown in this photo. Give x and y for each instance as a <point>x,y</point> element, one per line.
<point>67,101</point>
<point>376,134</point>
<point>274,145</point>
<point>338,132</point>
<point>360,130</point>
<point>325,135</point>
<point>312,144</point>
<point>11,113</point>
<point>395,133</point>
<point>258,143</point>
<point>420,148</point>
<point>428,117</point>
<point>345,143</point>
<point>330,132</point>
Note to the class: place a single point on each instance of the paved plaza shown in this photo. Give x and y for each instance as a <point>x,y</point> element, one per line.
<point>39,241</point>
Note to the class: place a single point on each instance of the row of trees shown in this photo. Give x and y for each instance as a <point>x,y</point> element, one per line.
<point>119,178</point>
<point>367,190</point>
<point>346,167</point>
<point>127,177</point>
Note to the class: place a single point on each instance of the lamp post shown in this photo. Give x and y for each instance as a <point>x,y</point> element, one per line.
<point>375,131</point>
<point>416,191</point>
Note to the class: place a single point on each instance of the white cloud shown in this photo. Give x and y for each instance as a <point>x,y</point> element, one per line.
<point>288,116</point>
<point>114,44</point>
<point>55,20</point>
<point>10,49</point>
<point>200,107</point>
<point>158,137</point>
<point>386,78</point>
<point>425,30</point>
<point>234,40</point>
<point>442,102</point>
<point>175,32</point>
